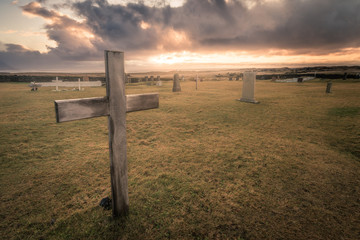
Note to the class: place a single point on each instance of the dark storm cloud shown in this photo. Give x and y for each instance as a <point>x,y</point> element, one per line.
<point>299,26</point>
<point>288,24</point>
<point>120,25</point>
<point>325,25</point>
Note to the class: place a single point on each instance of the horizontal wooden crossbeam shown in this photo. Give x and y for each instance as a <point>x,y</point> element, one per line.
<point>76,109</point>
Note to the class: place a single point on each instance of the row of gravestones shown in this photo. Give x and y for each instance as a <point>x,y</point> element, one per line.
<point>146,79</point>
<point>115,105</point>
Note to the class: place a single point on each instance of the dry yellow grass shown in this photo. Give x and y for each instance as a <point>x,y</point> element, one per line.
<point>202,166</point>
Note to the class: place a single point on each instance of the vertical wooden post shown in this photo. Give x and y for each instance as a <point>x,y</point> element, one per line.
<point>196,80</point>
<point>115,91</point>
<point>57,84</point>
<point>79,84</point>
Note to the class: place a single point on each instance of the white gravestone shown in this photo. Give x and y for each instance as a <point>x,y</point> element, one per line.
<point>248,89</point>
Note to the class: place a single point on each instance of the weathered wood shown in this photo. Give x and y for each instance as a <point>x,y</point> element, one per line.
<point>115,89</point>
<point>137,102</point>
<point>114,105</point>
<point>75,109</point>
<point>82,108</point>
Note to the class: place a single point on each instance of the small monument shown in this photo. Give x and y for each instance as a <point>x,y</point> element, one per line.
<point>328,87</point>
<point>197,79</point>
<point>34,86</point>
<point>176,86</point>
<point>158,81</point>
<point>248,89</point>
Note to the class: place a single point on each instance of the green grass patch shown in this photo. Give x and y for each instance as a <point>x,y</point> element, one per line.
<point>344,111</point>
<point>202,166</point>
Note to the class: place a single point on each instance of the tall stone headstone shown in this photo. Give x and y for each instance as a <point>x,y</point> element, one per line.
<point>197,79</point>
<point>176,86</point>
<point>328,87</point>
<point>248,89</point>
<point>158,81</point>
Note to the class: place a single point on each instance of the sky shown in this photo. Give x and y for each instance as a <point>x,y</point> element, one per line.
<point>71,35</point>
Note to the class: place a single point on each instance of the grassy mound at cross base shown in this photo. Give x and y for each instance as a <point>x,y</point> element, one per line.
<point>202,166</point>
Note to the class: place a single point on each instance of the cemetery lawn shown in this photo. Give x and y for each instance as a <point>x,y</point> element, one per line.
<point>202,166</point>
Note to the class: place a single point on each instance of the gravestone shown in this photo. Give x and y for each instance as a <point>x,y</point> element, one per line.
<point>158,81</point>
<point>197,79</point>
<point>248,89</point>
<point>57,83</point>
<point>176,85</point>
<point>345,76</point>
<point>115,105</point>
<point>328,87</point>
<point>34,86</point>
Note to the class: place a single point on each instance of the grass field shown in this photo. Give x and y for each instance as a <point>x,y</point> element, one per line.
<point>202,166</point>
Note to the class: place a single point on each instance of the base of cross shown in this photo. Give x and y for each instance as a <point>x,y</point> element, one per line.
<point>248,100</point>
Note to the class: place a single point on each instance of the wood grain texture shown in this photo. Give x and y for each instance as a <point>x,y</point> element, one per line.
<point>137,102</point>
<point>75,109</point>
<point>82,108</point>
<point>115,89</point>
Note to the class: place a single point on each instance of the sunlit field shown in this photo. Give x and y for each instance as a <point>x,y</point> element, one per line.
<point>202,166</point>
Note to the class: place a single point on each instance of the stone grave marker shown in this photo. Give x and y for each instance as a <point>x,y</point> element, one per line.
<point>248,89</point>
<point>158,81</point>
<point>176,85</point>
<point>115,105</point>
<point>328,87</point>
<point>197,79</point>
<point>151,82</point>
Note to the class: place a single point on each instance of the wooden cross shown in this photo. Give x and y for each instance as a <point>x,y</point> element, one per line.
<point>115,105</point>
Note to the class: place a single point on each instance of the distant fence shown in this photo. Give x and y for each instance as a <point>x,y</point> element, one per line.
<point>39,79</point>
<point>318,75</point>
